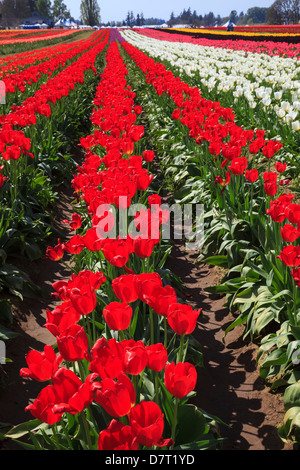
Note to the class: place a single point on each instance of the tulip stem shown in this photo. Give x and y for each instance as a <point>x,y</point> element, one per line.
<point>86,428</point>
<point>156,387</point>
<point>55,436</point>
<point>151,327</point>
<point>81,371</point>
<point>174,420</point>
<point>136,388</point>
<point>181,348</point>
<point>165,332</point>
<point>66,434</point>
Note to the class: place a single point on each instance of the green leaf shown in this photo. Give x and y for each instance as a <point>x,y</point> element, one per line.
<point>191,424</point>
<point>6,334</point>
<point>220,260</point>
<point>292,396</point>
<point>22,429</point>
<point>5,312</point>
<point>201,445</point>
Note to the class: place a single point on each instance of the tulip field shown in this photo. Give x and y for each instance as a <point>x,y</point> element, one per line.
<point>133,122</point>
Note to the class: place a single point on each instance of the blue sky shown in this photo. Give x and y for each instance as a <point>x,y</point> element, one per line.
<point>117,9</point>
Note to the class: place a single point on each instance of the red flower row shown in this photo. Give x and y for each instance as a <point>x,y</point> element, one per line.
<point>110,363</point>
<point>13,143</point>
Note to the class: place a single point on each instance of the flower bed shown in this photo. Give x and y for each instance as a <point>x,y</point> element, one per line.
<point>121,373</point>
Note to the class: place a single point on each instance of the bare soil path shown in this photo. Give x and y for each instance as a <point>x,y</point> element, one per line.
<point>229,385</point>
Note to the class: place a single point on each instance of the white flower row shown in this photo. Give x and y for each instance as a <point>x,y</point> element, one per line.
<point>261,79</point>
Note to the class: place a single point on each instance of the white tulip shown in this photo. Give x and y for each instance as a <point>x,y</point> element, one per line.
<point>280,113</point>
<point>296,125</point>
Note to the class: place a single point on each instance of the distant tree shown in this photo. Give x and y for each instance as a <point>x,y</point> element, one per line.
<point>233,16</point>
<point>142,19</point>
<point>138,20</point>
<point>132,18</point>
<point>172,19</point>
<point>218,20</point>
<point>43,7</point>
<point>257,15</point>
<point>186,16</point>
<point>284,12</point>
<point>209,19</point>
<point>13,12</point>
<point>90,12</point>
<point>32,5</point>
<point>60,9</point>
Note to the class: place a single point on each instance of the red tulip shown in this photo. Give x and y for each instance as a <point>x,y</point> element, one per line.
<point>159,298</point>
<point>127,146</point>
<point>271,148</point>
<point>154,199</point>
<point>143,180</point>
<point>2,180</point>
<point>251,175</point>
<point>289,233</point>
<point>74,394</point>
<point>75,245</point>
<point>143,281</point>
<point>135,356</point>
<point>76,221</point>
<point>117,436</point>
<point>270,183</point>
<point>73,344</point>
<point>91,240</point>
<point>147,423</point>
<point>107,358</point>
<point>296,275</point>
<point>117,315</point>
<point>116,252</point>
<point>143,247</point>
<point>182,318</point>
<point>256,145</point>
<point>138,109</point>
<point>290,256</point>
<point>42,407</point>
<point>280,167</point>
<point>56,253</point>
<point>157,356</point>
<point>293,213</point>
<point>41,366</point>
<point>148,155</point>
<point>84,300</point>
<point>124,288</point>
<point>278,207</point>
<point>63,316</point>
<point>116,396</point>
<point>180,379</point>
<point>238,165</point>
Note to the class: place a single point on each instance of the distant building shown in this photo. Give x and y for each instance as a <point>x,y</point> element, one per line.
<point>36,19</point>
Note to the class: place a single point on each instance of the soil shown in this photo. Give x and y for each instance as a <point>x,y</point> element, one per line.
<point>228,387</point>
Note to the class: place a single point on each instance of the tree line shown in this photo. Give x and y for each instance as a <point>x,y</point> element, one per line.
<point>280,12</point>
<point>12,12</point>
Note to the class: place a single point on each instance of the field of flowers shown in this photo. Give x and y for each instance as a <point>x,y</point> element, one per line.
<point>14,41</point>
<point>160,121</point>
